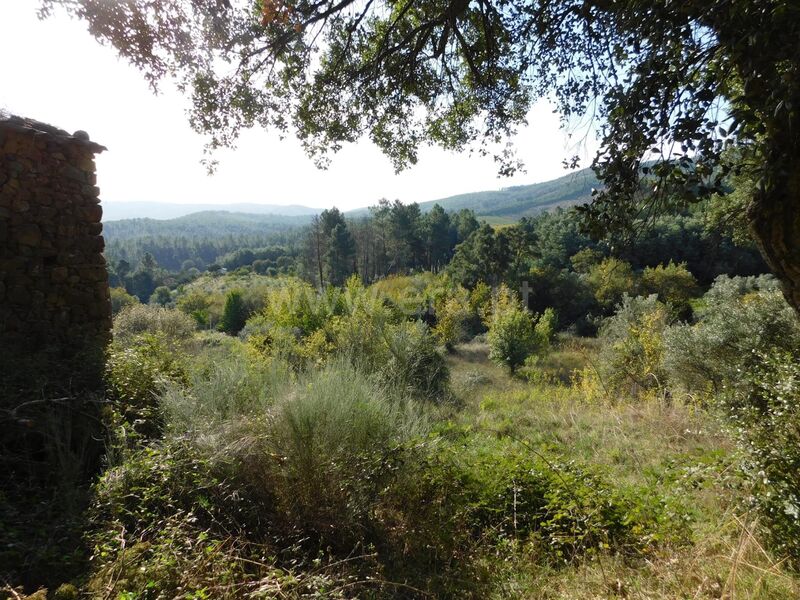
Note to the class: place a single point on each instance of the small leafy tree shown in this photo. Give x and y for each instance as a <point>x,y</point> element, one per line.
<point>452,315</point>
<point>121,299</point>
<point>234,314</point>
<point>673,284</point>
<point>161,296</point>
<point>512,331</point>
<point>632,359</point>
<point>610,280</point>
<point>196,304</point>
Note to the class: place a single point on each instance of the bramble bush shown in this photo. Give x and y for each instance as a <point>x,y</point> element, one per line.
<point>136,373</point>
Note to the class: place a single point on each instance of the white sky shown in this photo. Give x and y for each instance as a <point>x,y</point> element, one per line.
<point>56,72</point>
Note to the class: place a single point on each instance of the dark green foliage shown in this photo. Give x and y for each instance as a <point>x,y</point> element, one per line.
<point>196,241</point>
<point>340,256</point>
<point>692,238</point>
<point>481,257</point>
<point>161,296</point>
<point>439,237</point>
<point>414,363</point>
<point>235,313</point>
<point>564,289</point>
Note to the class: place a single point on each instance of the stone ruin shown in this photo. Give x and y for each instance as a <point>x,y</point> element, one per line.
<point>54,294</point>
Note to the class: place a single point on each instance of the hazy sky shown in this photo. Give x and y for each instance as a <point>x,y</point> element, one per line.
<point>55,71</point>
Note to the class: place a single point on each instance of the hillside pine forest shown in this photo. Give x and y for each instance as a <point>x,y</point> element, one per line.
<point>587,388</point>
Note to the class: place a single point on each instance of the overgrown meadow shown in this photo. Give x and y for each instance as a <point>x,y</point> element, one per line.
<point>418,439</point>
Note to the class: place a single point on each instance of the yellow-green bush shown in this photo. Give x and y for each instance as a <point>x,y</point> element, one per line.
<point>673,284</point>
<point>631,361</point>
<point>515,334</point>
<point>610,280</point>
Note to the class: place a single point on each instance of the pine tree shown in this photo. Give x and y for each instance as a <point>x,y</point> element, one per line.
<point>234,314</point>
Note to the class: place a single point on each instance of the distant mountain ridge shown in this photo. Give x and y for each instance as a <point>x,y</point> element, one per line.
<point>205,224</point>
<point>506,205</point>
<point>116,211</point>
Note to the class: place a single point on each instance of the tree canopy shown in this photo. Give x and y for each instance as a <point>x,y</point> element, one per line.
<point>672,85</point>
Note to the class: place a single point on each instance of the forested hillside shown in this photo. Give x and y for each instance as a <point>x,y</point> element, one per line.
<point>116,211</point>
<point>203,237</point>
<point>524,200</point>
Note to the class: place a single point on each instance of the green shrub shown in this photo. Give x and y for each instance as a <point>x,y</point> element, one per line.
<point>513,333</point>
<point>765,409</point>
<point>631,362</point>
<point>298,306</point>
<point>471,486</point>
<point>566,290</point>
<point>161,296</point>
<point>610,280</point>
<point>414,364</point>
<point>135,376</point>
<point>234,315</point>
<point>220,388</point>
<point>453,315</point>
<point>330,437</point>
<point>120,299</point>
<point>196,304</point>
<point>399,354</point>
<point>142,318</point>
<point>735,323</point>
<point>674,285</point>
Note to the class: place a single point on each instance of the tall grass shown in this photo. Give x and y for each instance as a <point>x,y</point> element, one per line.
<point>222,389</point>
<point>320,452</point>
<point>144,318</point>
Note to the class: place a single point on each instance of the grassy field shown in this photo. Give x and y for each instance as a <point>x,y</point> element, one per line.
<point>680,452</point>
<point>243,478</point>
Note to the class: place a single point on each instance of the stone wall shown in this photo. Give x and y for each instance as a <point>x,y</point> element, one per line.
<point>54,296</point>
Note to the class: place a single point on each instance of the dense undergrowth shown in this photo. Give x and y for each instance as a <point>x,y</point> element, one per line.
<point>350,445</point>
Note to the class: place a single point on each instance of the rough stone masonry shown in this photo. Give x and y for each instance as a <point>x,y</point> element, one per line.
<point>54,296</point>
